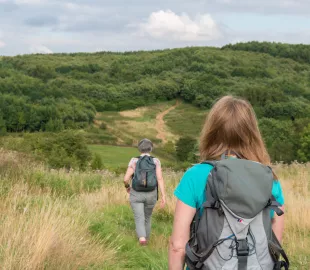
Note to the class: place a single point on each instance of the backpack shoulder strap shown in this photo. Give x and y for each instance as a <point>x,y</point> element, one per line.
<point>138,162</point>
<point>275,206</point>
<point>212,201</point>
<point>210,162</point>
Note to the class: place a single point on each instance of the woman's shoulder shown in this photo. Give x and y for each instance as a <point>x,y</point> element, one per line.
<point>191,187</point>
<point>198,173</point>
<point>156,160</point>
<point>133,162</point>
<point>277,192</point>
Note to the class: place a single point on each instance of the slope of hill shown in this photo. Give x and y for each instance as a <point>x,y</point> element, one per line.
<point>55,92</point>
<point>297,52</point>
<point>112,81</point>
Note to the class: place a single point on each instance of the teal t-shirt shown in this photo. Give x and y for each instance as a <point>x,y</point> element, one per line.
<point>191,189</point>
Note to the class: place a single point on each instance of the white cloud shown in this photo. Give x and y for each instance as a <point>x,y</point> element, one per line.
<point>168,25</point>
<point>225,1</point>
<point>40,49</point>
<point>84,8</point>
<point>29,2</point>
<point>2,44</point>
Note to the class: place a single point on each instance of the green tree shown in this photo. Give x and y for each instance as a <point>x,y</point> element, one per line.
<point>304,151</point>
<point>54,125</point>
<point>2,126</point>
<point>280,139</point>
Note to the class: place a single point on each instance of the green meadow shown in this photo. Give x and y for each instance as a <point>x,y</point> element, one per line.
<point>114,156</point>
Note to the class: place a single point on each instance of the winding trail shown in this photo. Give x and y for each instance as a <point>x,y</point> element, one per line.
<point>160,123</point>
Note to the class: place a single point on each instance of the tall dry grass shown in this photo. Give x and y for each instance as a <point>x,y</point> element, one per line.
<point>295,180</point>
<point>45,225</point>
<point>40,230</point>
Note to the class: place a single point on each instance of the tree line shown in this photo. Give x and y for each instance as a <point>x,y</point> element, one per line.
<point>297,52</point>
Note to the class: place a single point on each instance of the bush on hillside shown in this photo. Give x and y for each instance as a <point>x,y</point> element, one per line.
<point>103,126</point>
<point>184,148</point>
<point>54,125</point>
<point>67,149</point>
<point>304,151</point>
<point>169,148</point>
<point>2,126</point>
<point>97,163</point>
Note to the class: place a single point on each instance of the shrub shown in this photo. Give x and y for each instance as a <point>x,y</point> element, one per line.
<point>169,148</point>
<point>67,149</point>
<point>184,147</point>
<point>54,125</point>
<point>97,163</point>
<point>303,152</point>
<point>103,126</point>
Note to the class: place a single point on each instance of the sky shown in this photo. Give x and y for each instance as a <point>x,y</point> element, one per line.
<point>55,26</point>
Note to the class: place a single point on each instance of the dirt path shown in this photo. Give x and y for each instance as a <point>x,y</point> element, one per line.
<point>160,123</point>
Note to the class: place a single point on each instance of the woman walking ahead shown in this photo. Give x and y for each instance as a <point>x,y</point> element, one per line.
<point>230,131</point>
<point>146,175</point>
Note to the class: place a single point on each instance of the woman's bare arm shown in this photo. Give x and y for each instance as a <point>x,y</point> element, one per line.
<point>278,225</point>
<point>161,184</point>
<point>180,235</point>
<point>128,175</point>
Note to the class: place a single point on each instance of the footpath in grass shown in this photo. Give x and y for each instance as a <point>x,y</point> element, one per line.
<point>117,222</point>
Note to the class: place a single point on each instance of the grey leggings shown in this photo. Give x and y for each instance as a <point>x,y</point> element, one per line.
<point>142,204</point>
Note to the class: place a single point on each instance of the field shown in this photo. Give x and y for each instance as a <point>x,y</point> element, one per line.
<point>114,156</point>
<point>52,219</point>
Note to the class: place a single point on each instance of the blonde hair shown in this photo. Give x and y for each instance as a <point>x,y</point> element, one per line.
<point>232,125</point>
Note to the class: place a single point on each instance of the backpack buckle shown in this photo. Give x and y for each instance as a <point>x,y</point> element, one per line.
<point>199,265</point>
<point>216,205</point>
<point>243,247</point>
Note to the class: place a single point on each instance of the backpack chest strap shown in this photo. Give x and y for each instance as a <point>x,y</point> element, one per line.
<point>242,253</point>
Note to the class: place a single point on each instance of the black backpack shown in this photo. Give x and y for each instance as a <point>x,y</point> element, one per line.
<point>144,178</point>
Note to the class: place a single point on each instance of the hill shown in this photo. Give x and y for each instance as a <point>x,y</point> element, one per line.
<point>61,91</point>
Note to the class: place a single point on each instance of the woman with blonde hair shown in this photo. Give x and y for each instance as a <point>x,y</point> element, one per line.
<point>230,131</point>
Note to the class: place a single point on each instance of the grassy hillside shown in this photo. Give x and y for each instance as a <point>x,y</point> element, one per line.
<point>114,156</point>
<point>59,220</point>
<point>66,91</point>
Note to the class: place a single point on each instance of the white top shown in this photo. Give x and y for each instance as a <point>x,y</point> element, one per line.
<point>133,162</point>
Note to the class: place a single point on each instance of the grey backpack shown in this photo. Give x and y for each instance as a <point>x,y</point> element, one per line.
<point>233,229</point>
<point>144,178</point>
